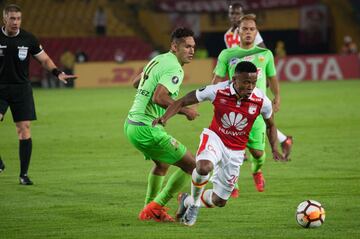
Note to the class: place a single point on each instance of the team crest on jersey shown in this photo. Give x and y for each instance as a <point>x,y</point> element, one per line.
<point>23,51</point>
<point>248,58</point>
<point>234,61</point>
<point>175,80</point>
<point>252,109</point>
<point>261,58</point>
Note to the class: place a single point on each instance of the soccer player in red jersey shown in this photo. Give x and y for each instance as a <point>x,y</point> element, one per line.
<point>222,147</point>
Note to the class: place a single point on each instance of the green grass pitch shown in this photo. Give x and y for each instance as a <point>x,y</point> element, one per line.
<point>90,182</point>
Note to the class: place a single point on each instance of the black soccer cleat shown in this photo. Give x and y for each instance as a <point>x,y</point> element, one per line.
<point>2,165</point>
<point>25,180</point>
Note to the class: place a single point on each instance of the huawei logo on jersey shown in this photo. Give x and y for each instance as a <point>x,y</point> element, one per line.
<point>236,120</point>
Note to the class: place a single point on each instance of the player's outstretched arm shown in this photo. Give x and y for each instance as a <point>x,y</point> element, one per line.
<point>217,79</point>
<point>177,106</point>
<point>49,65</point>
<point>275,90</point>
<point>271,132</point>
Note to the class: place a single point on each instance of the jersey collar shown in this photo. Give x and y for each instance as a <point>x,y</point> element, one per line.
<point>232,90</point>
<point>3,30</point>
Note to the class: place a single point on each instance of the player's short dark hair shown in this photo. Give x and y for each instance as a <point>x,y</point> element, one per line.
<point>179,33</point>
<point>245,66</point>
<point>236,5</point>
<point>11,8</point>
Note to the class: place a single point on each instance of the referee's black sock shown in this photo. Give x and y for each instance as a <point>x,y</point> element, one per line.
<point>25,148</point>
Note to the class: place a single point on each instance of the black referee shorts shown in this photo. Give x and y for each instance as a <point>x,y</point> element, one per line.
<point>20,99</point>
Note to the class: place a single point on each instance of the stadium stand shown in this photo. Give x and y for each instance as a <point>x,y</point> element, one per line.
<point>68,24</point>
<point>96,48</point>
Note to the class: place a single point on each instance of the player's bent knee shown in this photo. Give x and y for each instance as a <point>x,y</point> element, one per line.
<point>23,130</point>
<point>204,167</point>
<point>257,153</point>
<point>160,170</point>
<point>219,202</point>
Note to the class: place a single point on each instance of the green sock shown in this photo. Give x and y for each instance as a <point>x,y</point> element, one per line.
<point>176,182</point>
<point>256,164</point>
<point>155,183</point>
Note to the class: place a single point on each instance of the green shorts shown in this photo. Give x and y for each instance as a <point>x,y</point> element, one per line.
<point>155,143</point>
<point>257,134</point>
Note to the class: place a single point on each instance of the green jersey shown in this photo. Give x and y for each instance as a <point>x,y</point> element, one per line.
<point>262,58</point>
<point>164,69</point>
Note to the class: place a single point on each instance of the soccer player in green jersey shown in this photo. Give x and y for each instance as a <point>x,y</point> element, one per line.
<point>158,86</point>
<point>264,61</point>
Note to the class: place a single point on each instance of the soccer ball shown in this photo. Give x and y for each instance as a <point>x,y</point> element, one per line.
<point>310,213</point>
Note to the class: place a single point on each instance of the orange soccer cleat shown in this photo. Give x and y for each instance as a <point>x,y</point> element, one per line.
<point>235,193</point>
<point>156,212</point>
<point>259,181</point>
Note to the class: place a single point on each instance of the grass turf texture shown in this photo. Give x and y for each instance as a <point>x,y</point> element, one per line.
<point>90,182</point>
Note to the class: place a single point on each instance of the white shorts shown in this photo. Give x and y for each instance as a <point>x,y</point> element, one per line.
<point>226,162</point>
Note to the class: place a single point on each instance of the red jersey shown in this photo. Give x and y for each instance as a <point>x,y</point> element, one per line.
<point>233,117</point>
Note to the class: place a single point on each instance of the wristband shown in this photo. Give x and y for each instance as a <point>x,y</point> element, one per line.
<point>56,72</point>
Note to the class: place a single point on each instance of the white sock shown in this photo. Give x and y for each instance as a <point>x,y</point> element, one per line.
<point>188,201</point>
<point>197,186</point>
<point>281,137</point>
<point>206,197</point>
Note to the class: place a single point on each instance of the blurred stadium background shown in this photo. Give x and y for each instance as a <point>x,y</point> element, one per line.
<point>312,31</point>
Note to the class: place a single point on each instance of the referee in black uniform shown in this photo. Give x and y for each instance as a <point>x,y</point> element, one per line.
<point>16,46</point>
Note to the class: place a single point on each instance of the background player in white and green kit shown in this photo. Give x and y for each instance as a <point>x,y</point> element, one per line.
<point>157,89</point>
<point>264,61</point>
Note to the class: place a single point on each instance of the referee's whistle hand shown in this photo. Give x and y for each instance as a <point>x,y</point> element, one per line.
<point>64,77</point>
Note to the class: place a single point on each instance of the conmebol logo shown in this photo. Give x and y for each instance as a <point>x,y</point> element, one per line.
<point>235,120</point>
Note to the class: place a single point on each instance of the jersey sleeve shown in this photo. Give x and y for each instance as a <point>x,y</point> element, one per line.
<point>35,47</point>
<point>171,80</point>
<point>258,39</point>
<point>266,109</point>
<point>270,66</point>
<point>206,93</point>
<point>221,65</point>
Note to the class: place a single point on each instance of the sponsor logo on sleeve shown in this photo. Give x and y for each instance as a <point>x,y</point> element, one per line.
<point>201,89</point>
<point>234,61</point>
<point>175,80</point>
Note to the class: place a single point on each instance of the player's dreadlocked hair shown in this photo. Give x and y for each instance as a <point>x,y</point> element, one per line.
<point>245,66</point>
<point>179,33</point>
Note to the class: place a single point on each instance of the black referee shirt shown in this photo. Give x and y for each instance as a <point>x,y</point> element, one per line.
<point>15,56</point>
